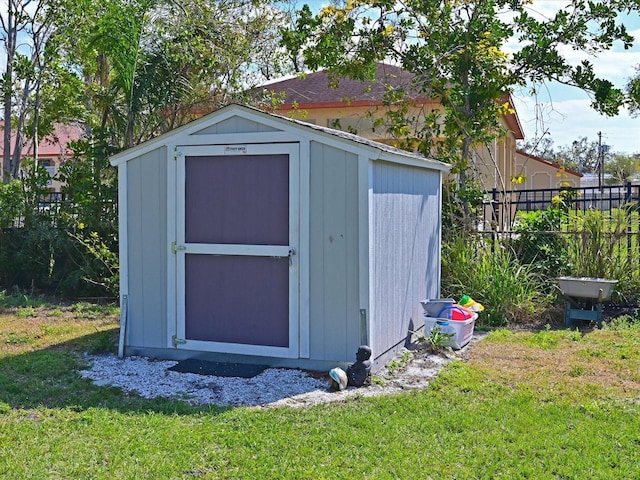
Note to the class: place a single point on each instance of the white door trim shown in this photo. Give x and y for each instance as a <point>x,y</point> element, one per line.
<point>177,232</point>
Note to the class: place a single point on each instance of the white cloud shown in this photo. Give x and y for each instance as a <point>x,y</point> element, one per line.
<point>569,120</point>
<point>565,112</point>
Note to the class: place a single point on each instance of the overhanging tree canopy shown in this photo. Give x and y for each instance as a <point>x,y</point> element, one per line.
<point>459,52</point>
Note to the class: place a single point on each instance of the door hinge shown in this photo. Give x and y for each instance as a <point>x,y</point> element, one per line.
<point>177,153</point>
<point>175,248</point>
<point>177,341</point>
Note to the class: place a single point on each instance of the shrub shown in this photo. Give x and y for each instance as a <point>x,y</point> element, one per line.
<point>539,242</point>
<point>69,248</point>
<point>492,275</point>
<point>601,248</point>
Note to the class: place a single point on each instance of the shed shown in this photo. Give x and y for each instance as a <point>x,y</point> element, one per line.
<point>252,238</point>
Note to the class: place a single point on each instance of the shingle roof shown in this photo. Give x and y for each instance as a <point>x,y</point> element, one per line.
<point>314,90</point>
<point>315,87</point>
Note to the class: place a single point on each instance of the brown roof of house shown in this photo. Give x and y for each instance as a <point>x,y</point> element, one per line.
<point>314,90</point>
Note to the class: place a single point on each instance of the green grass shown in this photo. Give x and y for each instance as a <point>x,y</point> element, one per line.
<point>553,404</point>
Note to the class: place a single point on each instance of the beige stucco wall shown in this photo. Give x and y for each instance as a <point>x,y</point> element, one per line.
<point>540,174</point>
<point>495,165</point>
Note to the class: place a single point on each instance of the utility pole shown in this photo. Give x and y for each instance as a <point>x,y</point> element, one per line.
<point>602,150</point>
<point>600,161</point>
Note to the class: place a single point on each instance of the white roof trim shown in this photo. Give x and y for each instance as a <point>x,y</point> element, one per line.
<point>375,150</point>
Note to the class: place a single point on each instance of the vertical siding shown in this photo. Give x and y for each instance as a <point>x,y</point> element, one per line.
<point>236,125</point>
<point>147,243</point>
<point>333,284</point>
<point>404,230</point>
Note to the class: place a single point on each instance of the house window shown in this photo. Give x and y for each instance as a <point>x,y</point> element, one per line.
<point>50,165</point>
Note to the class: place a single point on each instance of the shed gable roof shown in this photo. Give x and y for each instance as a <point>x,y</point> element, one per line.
<point>240,119</point>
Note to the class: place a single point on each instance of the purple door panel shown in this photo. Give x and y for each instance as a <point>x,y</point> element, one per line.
<point>237,200</point>
<point>237,299</point>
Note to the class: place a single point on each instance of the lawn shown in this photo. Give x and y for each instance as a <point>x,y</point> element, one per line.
<point>551,404</point>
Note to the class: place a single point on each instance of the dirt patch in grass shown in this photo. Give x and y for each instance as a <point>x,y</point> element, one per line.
<point>32,326</point>
<point>563,363</point>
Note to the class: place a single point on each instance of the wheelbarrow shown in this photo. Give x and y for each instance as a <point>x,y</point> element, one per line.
<point>584,297</point>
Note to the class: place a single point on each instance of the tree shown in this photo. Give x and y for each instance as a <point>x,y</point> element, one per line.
<point>582,155</point>
<point>540,147</point>
<point>456,49</point>
<point>622,168</point>
<point>633,92</point>
<point>38,86</point>
<point>151,65</point>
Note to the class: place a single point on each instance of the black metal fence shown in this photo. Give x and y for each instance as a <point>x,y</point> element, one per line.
<point>500,209</point>
<point>591,231</point>
<point>52,203</point>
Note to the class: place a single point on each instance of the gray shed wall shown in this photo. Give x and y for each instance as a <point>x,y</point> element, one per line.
<point>404,259</point>
<point>333,284</point>
<point>147,242</point>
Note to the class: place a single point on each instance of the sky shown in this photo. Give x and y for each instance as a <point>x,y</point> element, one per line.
<point>565,112</point>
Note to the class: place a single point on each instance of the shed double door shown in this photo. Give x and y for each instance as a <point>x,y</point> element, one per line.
<point>237,231</point>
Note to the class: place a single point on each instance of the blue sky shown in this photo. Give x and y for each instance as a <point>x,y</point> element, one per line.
<point>565,112</point>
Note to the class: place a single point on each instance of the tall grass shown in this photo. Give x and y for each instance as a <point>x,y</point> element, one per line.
<point>601,247</point>
<point>490,273</point>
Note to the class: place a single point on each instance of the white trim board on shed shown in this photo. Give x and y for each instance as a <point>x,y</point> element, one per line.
<point>363,246</point>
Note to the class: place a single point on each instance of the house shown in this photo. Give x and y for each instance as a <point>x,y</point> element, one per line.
<point>358,107</point>
<point>249,237</point>
<point>538,173</point>
<point>53,150</point>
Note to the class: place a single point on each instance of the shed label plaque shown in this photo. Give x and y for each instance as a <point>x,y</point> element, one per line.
<point>235,150</point>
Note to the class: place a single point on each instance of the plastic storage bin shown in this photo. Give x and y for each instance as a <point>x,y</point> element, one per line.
<point>462,329</point>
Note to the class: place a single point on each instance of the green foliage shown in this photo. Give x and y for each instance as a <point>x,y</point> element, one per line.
<point>622,168</point>
<point>30,254</point>
<point>10,205</point>
<point>438,340</point>
<point>88,218</point>
<point>633,92</point>
<point>625,324</point>
<point>455,50</point>
<point>19,300</point>
<point>539,243</point>
<point>511,292</point>
<point>103,342</point>
<point>69,247</point>
<point>599,248</point>
<point>152,65</point>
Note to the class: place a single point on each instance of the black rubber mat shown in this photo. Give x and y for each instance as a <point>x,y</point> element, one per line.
<point>218,369</point>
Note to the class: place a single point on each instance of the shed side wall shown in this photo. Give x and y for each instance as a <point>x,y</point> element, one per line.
<point>404,261</point>
<point>333,254</point>
<point>147,247</point>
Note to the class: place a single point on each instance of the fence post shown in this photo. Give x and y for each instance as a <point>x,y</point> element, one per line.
<point>494,222</point>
